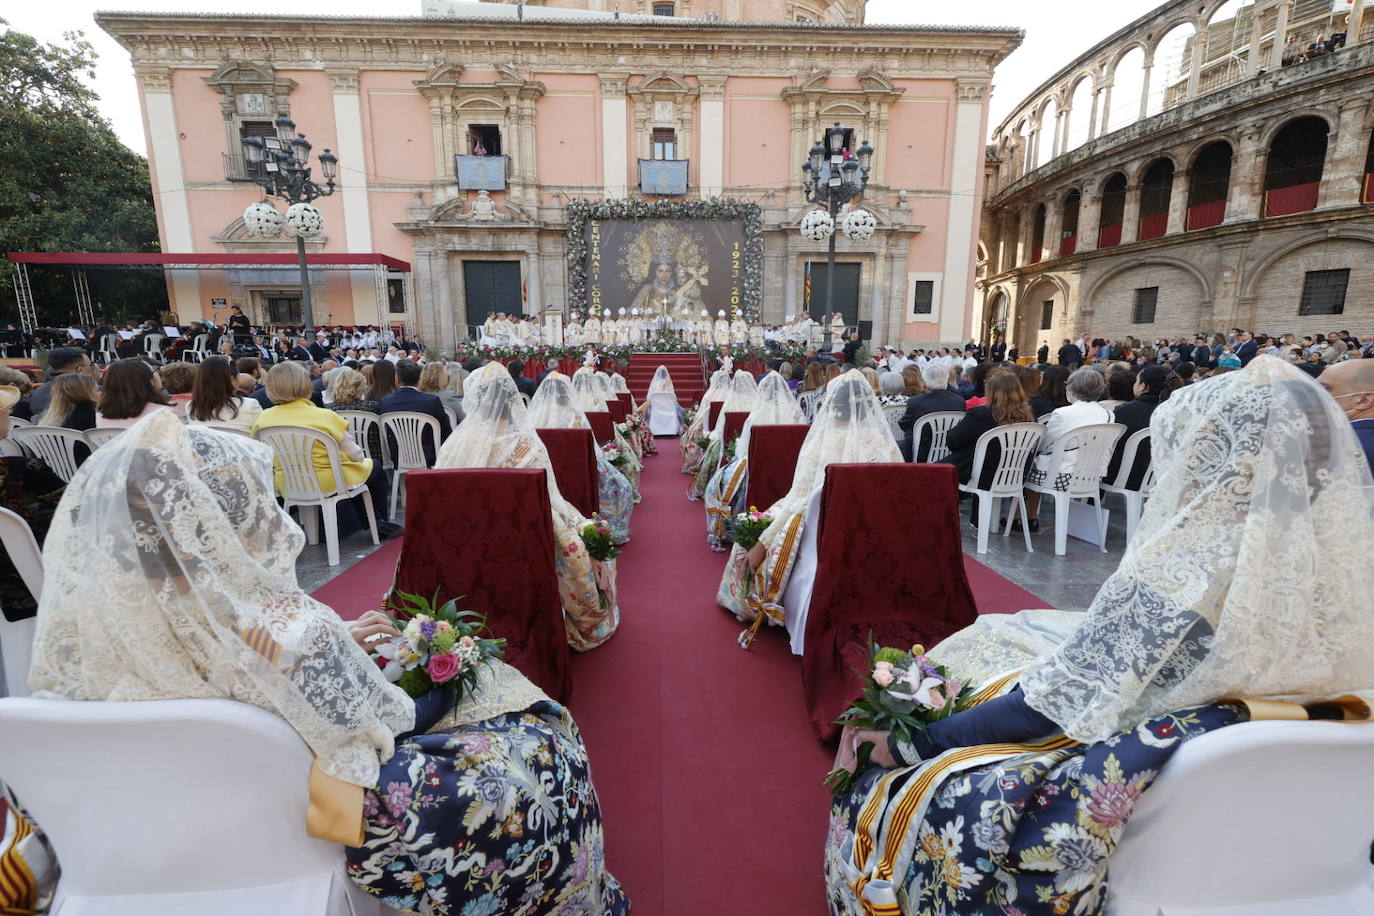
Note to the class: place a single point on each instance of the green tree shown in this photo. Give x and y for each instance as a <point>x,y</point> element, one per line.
<point>67,183</point>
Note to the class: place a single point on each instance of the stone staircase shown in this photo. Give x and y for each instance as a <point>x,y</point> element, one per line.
<point>685,368</point>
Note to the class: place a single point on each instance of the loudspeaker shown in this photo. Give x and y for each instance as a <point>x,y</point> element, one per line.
<point>865,330</point>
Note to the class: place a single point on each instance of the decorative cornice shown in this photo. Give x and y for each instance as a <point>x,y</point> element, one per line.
<point>154,79</point>
<point>971,90</point>
<point>614,86</point>
<point>343,80</point>
<point>712,87</point>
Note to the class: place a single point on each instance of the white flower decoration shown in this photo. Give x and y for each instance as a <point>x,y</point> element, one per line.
<point>817,226</point>
<point>859,225</point>
<point>263,220</point>
<point>303,221</point>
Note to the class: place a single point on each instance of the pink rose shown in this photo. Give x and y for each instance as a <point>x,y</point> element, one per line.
<point>882,674</point>
<point>442,667</point>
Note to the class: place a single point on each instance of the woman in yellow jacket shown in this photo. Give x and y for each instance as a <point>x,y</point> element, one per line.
<point>289,388</point>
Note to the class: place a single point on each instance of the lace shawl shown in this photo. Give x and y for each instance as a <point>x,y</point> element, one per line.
<point>739,398</point>
<point>170,574</point>
<point>555,405</point>
<point>1237,580</point>
<point>662,382</point>
<point>774,404</point>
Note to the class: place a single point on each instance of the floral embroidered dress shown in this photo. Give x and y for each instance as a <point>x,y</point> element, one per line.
<point>492,816</point>
<point>696,432</point>
<point>1028,834</point>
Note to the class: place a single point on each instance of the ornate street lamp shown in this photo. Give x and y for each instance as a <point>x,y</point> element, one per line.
<point>281,167</point>
<point>831,179</point>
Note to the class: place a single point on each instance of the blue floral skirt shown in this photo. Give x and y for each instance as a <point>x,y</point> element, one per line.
<point>499,817</point>
<point>617,500</point>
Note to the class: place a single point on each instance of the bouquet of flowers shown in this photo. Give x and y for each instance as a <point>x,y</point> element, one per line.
<point>904,691</point>
<point>596,537</point>
<point>438,646</point>
<point>745,529</point>
<point>613,454</point>
<point>688,416</point>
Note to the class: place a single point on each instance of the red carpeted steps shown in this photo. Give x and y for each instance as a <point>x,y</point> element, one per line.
<point>685,368</point>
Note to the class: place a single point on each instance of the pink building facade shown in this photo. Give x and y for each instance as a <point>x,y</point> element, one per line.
<point>463,135</point>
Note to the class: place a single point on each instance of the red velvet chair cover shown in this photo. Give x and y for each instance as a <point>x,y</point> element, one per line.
<point>485,537</point>
<point>602,426</point>
<point>902,583</point>
<point>714,414</point>
<point>573,455</point>
<point>618,410</point>
<point>734,423</point>
<point>625,398</point>
<point>773,452</point>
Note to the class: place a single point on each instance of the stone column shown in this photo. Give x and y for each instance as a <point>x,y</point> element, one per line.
<point>712,107</point>
<point>1195,61</point>
<point>961,237</point>
<point>1354,23</point>
<point>1178,202</point>
<point>1054,219</point>
<point>1106,106</point>
<point>1252,55</point>
<point>1130,220</point>
<point>1281,36</point>
<point>1145,90</point>
<point>1093,116</point>
<point>615,165</point>
<point>1089,219</point>
<point>451,316</point>
<point>1032,150</point>
<point>357,218</point>
<point>1345,153</point>
<point>1245,196</point>
<point>1026,239</point>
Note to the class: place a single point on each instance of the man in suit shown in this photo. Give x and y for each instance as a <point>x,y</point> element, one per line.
<point>298,352</point>
<point>1351,383</point>
<point>999,351</point>
<point>319,350</point>
<point>1248,348</point>
<point>408,398</point>
<point>938,397</point>
<point>517,372</point>
<point>1070,356</point>
<point>1042,355</point>
<point>61,361</point>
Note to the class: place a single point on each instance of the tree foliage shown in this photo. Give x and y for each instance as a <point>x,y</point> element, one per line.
<point>67,183</point>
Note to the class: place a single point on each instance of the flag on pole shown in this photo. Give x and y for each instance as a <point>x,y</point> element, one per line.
<point>524,300</point>
<point>808,286</point>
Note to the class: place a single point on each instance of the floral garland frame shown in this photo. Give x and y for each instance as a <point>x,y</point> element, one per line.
<point>750,216</point>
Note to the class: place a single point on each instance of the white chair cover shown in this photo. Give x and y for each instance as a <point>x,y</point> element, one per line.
<point>1257,819</point>
<point>796,597</point>
<point>173,807</point>
<point>16,637</point>
<point>663,415</point>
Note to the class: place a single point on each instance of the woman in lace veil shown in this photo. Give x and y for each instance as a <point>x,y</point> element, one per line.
<point>1234,586</point>
<point>739,398</point>
<point>849,428</point>
<point>498,434</point>
<point>555,407</point>
<point>698,429</point>
<point>592,390</point>
<point>1230,585</point>
<point>662,382</point>
<point>170,574</point>
<point>774,403</point>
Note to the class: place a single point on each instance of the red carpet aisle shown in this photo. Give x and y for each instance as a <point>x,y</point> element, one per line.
<point>708,772</point>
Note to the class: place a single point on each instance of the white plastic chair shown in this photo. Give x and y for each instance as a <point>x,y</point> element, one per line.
<point>226,428</point>
<point>939,423</point>
<point>107,352</point>
<point>1228,830</point>
<point>892,413</point>
<point>17,423</point>
<point>452,417</point>
<point>119,820</point>
<point>1091,447</point>
<point>198,349</point>
<point>10,449</point>
<point>95,438</point>
<point>152,346</point>
<point>1018,442</point>
<point>408,428</point>
<point>16,637</point>
<point>56,445</point>
<point>1135,499</point>
<point>663,414</point>
<point>360,424</point>
<point>295,447</point>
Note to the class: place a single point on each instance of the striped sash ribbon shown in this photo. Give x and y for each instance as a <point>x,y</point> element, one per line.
<point>765,605</point>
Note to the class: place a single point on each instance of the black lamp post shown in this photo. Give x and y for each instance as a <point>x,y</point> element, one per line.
<point>281,166</point>
<point>828,177</point>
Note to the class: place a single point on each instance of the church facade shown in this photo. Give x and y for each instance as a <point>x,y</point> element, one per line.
<point>470,139</point>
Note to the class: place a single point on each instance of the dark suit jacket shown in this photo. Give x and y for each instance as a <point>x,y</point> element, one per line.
<point>318,352</point>
<point>299,353</point>
<point>1247,351</point>
<point>1070,355</point>
<point>963,440</point>
<point>918,406</point>
<point>525,385</point>
<point>411,399</point>
<point>1135,416</point>
<point>1364,431</point>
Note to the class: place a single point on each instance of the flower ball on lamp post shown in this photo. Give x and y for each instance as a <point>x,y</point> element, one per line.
<point>832,176</point>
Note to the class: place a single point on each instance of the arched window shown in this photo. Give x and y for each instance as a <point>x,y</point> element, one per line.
<point>1038,235</point>
<point>1367,189</point>
<point>1154,199</point>
<point>1044,140</point>
<point>1293,172</point>
<point>1209,183</point>
<point>1128,77</point>
<point>1068,225</point>
<point>1079,127</point>
<point>1113,211</point>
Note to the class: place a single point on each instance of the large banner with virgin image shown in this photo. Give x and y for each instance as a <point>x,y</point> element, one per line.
<point>670,260</point>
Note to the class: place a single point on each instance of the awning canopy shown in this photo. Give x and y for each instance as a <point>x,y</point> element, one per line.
<point>226,260</point>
